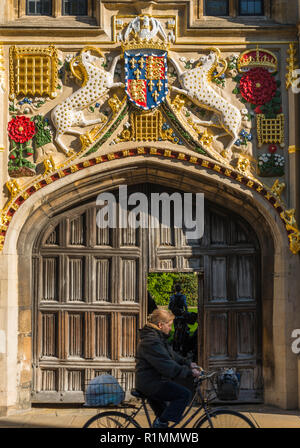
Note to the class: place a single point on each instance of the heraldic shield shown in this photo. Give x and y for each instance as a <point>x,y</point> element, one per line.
<point>146,77</point>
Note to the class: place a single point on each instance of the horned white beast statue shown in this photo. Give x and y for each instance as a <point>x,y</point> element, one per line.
<point>196,86</point>
<point>96,82</point>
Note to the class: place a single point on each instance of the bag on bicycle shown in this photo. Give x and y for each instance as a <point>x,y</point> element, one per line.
<point>228,385</point>
<point>104,390</point>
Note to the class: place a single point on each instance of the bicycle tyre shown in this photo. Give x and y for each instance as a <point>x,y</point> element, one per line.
<point>111,419</point>
<point>224,419</point>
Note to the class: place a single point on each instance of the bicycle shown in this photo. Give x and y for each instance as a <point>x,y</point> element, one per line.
<point>211,418</point>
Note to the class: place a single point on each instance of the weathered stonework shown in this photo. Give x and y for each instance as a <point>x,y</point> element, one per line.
<point>186,156</point>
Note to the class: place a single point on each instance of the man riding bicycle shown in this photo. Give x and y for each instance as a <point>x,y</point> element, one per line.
<point>157,366</point>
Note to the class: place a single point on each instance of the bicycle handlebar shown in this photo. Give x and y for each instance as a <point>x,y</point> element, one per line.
<point>205,375</point>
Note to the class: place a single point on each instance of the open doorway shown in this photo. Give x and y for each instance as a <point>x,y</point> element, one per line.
<point>186,290</point>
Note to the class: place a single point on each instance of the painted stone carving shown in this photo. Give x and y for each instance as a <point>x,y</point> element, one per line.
<point>197,104</point>
<point>2,71</point>
<point>40,65</point>
<point>21,130</point>
<point>196,86</point>
<point>293,65</point>
<point>43,132</point>
<point>270,130</point>
<point>258,57</point>
<point>258,86</point>
<point>292,227</point>
<point>148,127</point>
<point>96,82</point>
<point>146,78</point>
<point>26,105</point>
<point>278,188</point>
<point>271,165</point>
<point>145,28</point>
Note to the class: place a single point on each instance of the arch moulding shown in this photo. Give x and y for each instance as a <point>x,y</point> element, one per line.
<point>33,214</point>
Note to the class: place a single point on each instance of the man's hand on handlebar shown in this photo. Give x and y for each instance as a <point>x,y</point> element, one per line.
<point>196,370</point>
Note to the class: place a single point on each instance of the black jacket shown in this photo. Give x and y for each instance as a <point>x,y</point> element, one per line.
<point>178,304</point>
<point>157,362</point>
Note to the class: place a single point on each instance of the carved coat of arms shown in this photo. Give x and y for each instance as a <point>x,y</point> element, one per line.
<point>146,77</point>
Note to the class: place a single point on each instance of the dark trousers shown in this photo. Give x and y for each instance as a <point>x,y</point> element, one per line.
<point>178,397</point>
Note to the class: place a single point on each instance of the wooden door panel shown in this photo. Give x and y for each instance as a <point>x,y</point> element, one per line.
<point>246,334</point>
<point>245,277</point>
<point>74,380</point>
<point>229,324</point>
<point>50,277</point>
<point>218,229</point>
<point>75,332</point>
<point>103,236</point>
<point>102,336</point>
<point>76,279</point>
<point>77,231</point>
<point>217,337</point>
<point>129,237</point>
<point>49,333</point>
<point>88,296</point>
<point>102,279</point>
<point>129,280</point>
<point>247,379</point>
<point>128,331</point>
<point>49,380</point>
<point>218,278</point>
<point>166,264</point>
<point>53,238</point>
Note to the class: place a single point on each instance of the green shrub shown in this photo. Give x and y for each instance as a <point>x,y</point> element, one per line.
<point>161,287</point>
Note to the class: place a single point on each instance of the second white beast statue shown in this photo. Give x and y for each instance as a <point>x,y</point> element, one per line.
<point>196,85</point>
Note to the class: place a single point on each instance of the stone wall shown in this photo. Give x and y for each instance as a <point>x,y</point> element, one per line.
<point>195,35</point>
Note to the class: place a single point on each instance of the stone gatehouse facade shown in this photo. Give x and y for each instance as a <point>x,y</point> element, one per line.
<point>160,96</point>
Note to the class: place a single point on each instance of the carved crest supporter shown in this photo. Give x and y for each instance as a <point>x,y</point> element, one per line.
<point>143,92</point>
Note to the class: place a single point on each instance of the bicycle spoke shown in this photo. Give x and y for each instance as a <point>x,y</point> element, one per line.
<point>110,420</point>
<point>226,419</point>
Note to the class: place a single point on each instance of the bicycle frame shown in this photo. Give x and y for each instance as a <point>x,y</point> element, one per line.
<point>203,406</point>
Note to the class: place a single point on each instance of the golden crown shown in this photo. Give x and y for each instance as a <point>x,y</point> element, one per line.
<point>136,43</point>
<point>257,58</point>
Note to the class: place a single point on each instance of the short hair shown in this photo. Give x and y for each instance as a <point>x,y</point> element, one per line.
<point>160,315</point>
<point>178,287</point>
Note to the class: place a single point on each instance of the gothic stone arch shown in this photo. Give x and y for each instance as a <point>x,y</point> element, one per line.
<point>279,378</point>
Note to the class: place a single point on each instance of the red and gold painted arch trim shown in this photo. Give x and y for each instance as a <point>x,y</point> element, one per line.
<point>19,197</point>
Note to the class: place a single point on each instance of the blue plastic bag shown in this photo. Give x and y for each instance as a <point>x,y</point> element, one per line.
<point>104,390</point>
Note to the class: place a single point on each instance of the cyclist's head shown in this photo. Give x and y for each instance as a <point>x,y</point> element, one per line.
<point>163,319</point>
<point>177,287</point>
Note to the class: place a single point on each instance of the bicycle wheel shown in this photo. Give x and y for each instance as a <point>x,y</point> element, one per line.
<point>111,419</point>
<point>224,419</point>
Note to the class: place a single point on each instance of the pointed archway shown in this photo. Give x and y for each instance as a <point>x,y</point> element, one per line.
<point>39,209</point>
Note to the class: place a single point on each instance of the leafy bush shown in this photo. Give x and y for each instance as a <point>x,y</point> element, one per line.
<point>161,286</point>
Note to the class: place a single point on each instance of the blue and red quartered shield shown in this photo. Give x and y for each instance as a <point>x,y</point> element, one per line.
<point>146,78</point>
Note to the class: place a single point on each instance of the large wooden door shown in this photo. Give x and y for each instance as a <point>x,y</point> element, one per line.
<point>90,297</point>
<point>229,301</point>
<point>88,292</point>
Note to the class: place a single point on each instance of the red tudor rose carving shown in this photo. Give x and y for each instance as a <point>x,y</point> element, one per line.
<point>258,86</point>
<point>21,129</point>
